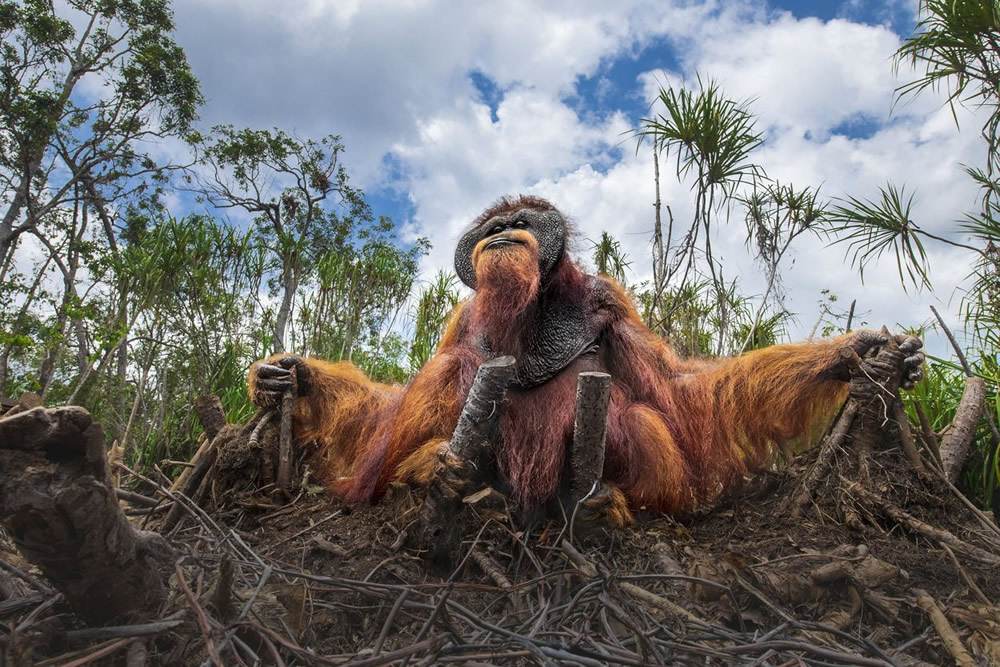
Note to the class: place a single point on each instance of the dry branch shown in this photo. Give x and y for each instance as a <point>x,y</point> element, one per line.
<point>190,488</point>
<point>990,421</point>
<point>58,505</point>
<point>906,519</point>
<point>944,629</point>
<point>955,447</point>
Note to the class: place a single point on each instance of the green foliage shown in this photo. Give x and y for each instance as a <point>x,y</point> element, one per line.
<point>708,134</point>
<point>609,259</point>
<point>872,229</point>
<point>435,304</point>
<point>955,47</point>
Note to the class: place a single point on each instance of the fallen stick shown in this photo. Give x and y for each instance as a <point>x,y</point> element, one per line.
<point>955,447</point>
<point>944,629</point>
<point>190,488</point>
<point>906,519</point>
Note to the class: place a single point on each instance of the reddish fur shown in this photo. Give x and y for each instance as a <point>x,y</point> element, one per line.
<point>508,280</point>
<point>679,433</point>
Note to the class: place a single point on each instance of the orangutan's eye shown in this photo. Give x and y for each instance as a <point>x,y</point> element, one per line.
<point>496,230</point>
<point>520,224</point>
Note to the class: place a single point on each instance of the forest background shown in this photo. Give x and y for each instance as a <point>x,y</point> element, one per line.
<point>148,257</point>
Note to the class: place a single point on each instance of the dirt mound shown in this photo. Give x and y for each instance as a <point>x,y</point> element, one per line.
<point>860,552</point>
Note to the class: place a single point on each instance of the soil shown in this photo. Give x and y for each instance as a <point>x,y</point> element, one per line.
<point>761,579</point>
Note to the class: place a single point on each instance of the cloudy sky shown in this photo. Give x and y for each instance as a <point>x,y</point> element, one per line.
<point>444,106</point>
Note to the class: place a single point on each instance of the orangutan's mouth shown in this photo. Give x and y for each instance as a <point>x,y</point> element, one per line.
<point>501,241</point>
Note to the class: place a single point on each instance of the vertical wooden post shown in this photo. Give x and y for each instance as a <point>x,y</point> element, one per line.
<point>593,394</point>
<point>285,436</point>
<point>470,445</point>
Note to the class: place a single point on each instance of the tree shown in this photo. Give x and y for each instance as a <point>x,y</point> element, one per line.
<point>68,156</point>
<point>609,259</point>
<point>956,44</point>
<point>298,193</point>
<point>711,138</point>
<point>435,303</point>
<point>776,215</point>
<point>54,139</point>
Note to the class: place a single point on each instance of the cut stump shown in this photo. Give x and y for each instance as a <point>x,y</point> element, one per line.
<point>59,507</point>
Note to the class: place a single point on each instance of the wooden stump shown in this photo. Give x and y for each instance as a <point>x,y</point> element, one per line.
<point>469,449</point>
<point>58,505</point>
<point>593,393</point>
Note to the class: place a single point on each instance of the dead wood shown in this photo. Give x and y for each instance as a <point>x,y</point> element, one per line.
<point>956,443</point>
<point>471,438</point>
<point>466,456</point>
<point>285,436</point>
<point>907,520</point>
<point>990,420</point>
<point>210,414</point>
<point>190,489</point>
<point>203,444</point>
<point>593,392</point>
<point>58,505</point>
<point>28,400</point>
<point>944,629</point>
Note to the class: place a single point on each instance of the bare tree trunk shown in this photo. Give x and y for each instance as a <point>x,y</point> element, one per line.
<point>290,281</point>
<point>659,270</point>
<point>33,162</point>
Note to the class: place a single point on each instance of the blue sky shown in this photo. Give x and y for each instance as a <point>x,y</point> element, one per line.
<point>445,106</point>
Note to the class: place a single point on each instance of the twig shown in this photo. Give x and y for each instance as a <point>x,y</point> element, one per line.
<point>944,629</point>
<point>136,498</point>
<point>96,655</point>
<point>965,576</point>
<point>659,602</point>
<point>585,567</point>
<point>388,621</point>
<point>203,622</point>
<point>432,644</point>
<point>490,567</point>
<point>310,528</point>
<point>913,523</point>
<point>122,631</point>
<point>190,488</point>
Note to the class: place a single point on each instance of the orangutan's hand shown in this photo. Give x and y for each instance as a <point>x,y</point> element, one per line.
<point>867,342</point>
<point>913,360</point>
<point>271,379</point>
